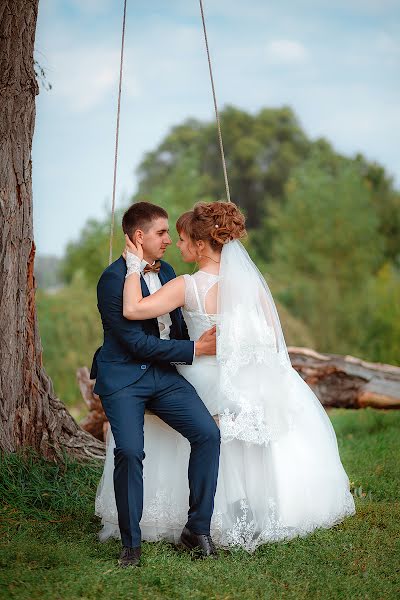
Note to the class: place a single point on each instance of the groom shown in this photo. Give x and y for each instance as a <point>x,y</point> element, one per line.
<point>134,370</point>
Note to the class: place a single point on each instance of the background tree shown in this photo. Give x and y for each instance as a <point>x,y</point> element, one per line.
<point>387,204</point>
<point>380,331</point>
<point>261,150</point>
<point>70,330</point>
<point>30,413</point>
<point>326,249</point>
<point>90,252</point>
<point>325,228</point>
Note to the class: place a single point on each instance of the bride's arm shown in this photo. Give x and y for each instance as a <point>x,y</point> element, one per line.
<point>169,297</point>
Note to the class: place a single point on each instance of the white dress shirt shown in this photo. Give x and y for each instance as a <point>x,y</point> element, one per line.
<point>153,283</point>
<point>164,322</point>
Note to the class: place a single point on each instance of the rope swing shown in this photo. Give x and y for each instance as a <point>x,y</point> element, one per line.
<point>117,135</point>
<point>221,145</point>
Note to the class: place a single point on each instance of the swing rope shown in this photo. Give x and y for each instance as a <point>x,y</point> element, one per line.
<point>221,145</point>
<point>117,136</point>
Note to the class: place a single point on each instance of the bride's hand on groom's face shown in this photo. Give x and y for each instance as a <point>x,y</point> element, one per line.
<point>135,249</point>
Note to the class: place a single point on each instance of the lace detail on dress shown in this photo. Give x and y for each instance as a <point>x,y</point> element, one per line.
<point>247,533</point>
<point>250,422</point>
<point>247,348</point>
<point>163,511</point>
<point>197,320</point>
<point>161,515</point>
<point>165,520</point>
<point>261,347</point>
<point>197,287</point>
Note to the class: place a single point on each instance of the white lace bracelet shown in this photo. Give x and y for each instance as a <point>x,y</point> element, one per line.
<point>133,263</point>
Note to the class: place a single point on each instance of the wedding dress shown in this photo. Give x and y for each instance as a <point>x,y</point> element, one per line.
<point>280,472</point>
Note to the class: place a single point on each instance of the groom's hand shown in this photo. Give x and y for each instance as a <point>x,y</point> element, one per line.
<point>207,343</point>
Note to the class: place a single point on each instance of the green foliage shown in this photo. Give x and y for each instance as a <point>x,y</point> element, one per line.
<point>48,545</point>
<point>90,253</point>
<point>380,335</point>
<point>47,272</point>
<point>327,244</point>
<point>322,224</point>
<point>70,330</point>
<point>387,203</point>
<point>261,150</point>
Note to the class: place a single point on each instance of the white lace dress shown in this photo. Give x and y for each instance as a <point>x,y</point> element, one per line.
<point>266,492</point>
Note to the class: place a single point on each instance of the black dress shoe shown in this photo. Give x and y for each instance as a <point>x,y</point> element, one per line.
<point>130,557</point>
<point>201,544</point>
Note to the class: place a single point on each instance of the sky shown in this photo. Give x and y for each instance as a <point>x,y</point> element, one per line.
<point>335,63</point>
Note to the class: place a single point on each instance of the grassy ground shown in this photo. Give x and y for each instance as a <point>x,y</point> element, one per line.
<point>49,550</point>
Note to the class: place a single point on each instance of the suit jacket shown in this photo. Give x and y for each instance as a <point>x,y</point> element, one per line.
<point>130,347</point>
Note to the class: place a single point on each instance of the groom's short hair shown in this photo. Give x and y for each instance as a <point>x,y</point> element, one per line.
<point>140,215</point>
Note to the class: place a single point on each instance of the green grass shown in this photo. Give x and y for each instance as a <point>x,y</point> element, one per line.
<point>49,550</point>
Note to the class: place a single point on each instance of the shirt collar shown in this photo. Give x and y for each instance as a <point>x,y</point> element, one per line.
<point>143,263</point>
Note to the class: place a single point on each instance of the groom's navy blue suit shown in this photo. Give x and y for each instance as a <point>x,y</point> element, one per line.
<point>134,370</point>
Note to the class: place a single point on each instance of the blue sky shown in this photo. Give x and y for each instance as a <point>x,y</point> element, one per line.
<point>335,63</point>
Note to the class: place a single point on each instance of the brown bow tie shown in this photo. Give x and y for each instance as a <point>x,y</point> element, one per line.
<point>152,268</point>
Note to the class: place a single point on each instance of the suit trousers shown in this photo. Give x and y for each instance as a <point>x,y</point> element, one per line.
<point>168,395</point>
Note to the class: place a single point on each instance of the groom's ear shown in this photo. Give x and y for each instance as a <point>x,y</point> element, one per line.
<point>138,236</point>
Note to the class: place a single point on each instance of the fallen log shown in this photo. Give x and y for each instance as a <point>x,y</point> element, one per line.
<point>347,381</point>
<point>95,421</point>
<point>338,381</point>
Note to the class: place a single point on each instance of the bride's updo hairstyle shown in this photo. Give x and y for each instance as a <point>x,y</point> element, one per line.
<point>214,222</point>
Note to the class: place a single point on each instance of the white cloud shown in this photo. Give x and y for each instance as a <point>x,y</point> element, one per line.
<point>286,52</point>
<point>93,7</point>
<point>85,76</point>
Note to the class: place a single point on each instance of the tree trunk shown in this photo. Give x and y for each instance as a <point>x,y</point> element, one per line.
<point>347,381</point>
<point>30,413</point>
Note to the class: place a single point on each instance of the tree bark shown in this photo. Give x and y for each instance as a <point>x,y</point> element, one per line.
<point>30,413</point>
<point>346,381</point>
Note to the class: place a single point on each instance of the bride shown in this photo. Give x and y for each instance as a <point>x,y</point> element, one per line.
<point>280,472</point>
